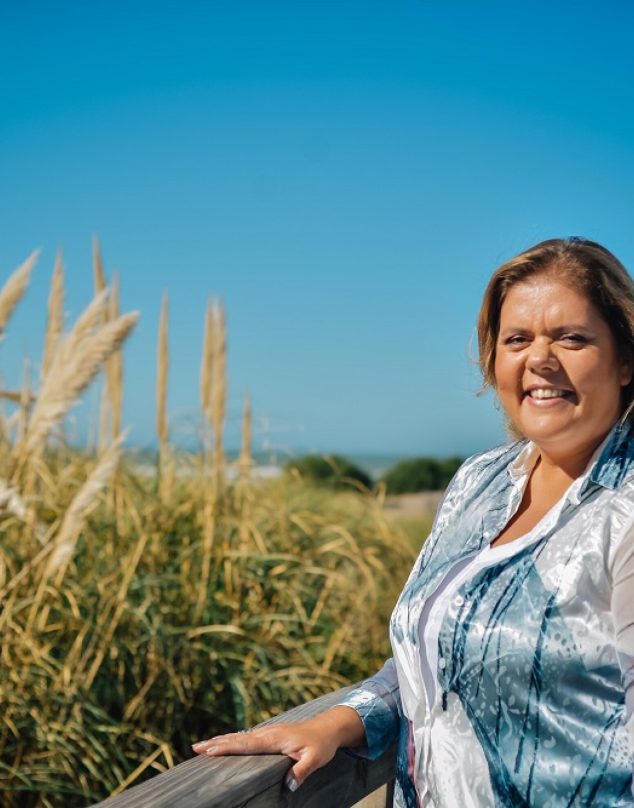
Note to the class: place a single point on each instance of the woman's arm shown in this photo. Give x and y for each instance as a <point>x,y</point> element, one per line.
<point>311,743</point>
<point>366,722</point>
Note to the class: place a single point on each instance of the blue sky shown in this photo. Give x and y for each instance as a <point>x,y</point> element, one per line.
<point>344,175</point>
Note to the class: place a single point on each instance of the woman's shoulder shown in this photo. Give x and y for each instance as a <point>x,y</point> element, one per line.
<point>475,477</point>
<point>489,461</point>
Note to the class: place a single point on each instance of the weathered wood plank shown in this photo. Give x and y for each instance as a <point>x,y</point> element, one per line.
<point>377,799</point>
<point>258,781</point>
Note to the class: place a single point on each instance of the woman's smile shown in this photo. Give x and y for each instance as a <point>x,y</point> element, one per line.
<point>543,396</point>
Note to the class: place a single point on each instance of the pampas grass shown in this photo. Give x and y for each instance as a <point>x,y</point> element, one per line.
<point>218,379</point>
<point>14,289</point>
<point>99,275</point>
<point>114,366</point>
<point>76,362</point>
<point>55,321</point>
<point>165,467</point>
<point>138,623</point>
<point>64,542</point>
<point>83,502</point>
<point>162,371</point>
<point>206,364</point>
<point>245,460</point>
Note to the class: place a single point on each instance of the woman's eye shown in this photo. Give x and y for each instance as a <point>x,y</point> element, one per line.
<point>577,339</point>
<point>516,339</point>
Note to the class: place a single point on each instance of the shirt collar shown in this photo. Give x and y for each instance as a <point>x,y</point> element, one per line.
<point>608,466</point>
<point>616,458</point>
<point>523,464</point>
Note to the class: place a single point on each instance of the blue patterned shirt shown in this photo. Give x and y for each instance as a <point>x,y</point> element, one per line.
<point>534,685</point>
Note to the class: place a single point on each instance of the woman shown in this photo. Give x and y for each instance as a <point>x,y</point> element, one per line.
<point>512,680</point>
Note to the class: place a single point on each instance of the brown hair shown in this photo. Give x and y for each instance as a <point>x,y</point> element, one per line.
<point>590,269</point>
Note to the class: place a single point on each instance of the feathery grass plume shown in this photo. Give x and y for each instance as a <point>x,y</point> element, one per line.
<point>206,364</point>
<point>105,412</point>
<point>245,461</point>
<point>105,420</point>
<point>162,370</point>
<point>66,352</point>
<point>165,464</point>
<point>14,288</point>
<point>105,415</point>
<point>86,324</point>
<point>219,377</point>
<point>84,501</point>
<point>112,390</point>
<point>29,483</point>
<point>99,275</point>
<point>114,367</point>
<point>75,364</point>
<point>114,385</point>
<point>218,389</point>
<point>55,322</point>
<point>26,397</point>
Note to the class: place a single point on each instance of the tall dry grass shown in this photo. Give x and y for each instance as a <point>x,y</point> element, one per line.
<point>245,460</point>
<point>55,320</point>
<point>14,288</point>
<point>132,624</point>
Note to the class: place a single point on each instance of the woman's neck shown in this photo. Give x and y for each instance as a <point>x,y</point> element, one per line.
<point>565,464</point>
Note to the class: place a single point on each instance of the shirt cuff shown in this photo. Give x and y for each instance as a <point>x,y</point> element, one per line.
<point>380,721</point>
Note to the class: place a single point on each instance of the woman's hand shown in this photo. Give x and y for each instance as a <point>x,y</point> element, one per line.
<point>311,743</point>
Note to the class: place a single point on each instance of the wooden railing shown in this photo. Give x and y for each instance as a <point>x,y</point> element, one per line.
<point>258,781</point>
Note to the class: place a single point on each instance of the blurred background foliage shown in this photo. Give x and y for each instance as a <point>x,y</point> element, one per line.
<point>404,477</point>
<point>330,470</point>
<point>421,474</point>
<point>145,608</point>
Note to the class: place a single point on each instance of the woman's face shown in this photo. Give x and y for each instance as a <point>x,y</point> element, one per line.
<point>557,371</point>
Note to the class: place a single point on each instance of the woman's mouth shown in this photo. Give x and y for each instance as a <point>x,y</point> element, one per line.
<point>549,394</point>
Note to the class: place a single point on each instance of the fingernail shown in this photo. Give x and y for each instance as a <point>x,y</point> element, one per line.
<point>211,750</point>
<point>292,784</point>
<point>198,745</point>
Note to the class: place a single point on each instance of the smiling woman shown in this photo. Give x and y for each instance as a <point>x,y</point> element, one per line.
<point>512,680</point>
<point>558,369</point>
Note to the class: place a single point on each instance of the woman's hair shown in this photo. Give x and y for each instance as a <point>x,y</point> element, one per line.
<point>589,269</point>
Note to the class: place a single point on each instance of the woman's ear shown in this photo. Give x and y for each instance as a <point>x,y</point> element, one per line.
<point>627,370</point>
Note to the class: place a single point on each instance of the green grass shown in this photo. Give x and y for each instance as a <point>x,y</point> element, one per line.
<point>116,670</point>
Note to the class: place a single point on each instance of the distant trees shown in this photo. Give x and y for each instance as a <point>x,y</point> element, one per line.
<point>420,474</point>
<point>405,477</point>
<point>332,470</point>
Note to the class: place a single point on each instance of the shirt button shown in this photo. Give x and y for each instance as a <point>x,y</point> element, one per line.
<point>442,664</point>
<point>458,600</point>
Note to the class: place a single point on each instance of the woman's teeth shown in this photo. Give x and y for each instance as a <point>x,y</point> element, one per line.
<point>541,392</point>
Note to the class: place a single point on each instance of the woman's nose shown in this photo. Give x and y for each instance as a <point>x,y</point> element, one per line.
<point>541,357</point>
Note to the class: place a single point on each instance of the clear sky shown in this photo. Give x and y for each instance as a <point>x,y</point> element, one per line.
<point>344,175</point>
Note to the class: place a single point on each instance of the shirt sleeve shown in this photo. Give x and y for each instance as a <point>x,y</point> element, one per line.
<point>623,617</point>
<point>377,702</point>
